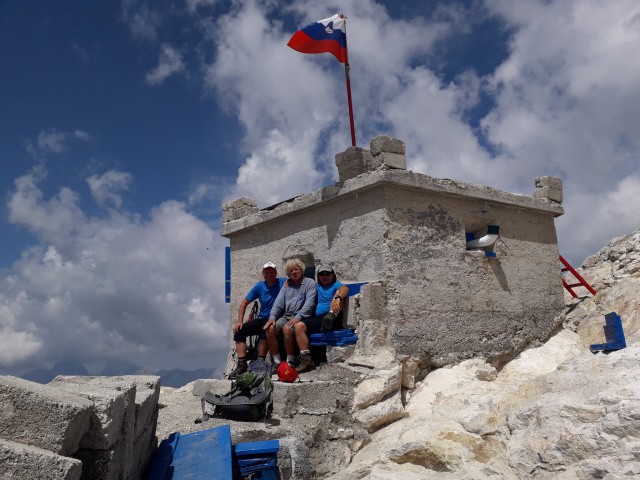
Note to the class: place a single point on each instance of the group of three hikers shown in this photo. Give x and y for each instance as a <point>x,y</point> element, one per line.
<point>294,307</point>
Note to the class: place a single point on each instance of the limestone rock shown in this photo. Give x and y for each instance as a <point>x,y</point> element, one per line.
<point>410,369</point>
<point>377,386</point>
<point>22,461</point>
<point>381,413</point>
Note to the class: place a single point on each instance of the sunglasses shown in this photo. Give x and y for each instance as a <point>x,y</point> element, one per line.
<point>324,274</point>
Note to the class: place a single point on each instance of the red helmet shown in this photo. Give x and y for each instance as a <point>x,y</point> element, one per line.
<point>286,373</point>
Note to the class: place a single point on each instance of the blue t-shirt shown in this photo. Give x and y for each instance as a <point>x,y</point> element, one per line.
<point>267,295</point>
<point>325,295</point>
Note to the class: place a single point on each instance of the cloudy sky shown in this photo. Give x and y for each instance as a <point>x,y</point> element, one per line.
<point>124,125</point>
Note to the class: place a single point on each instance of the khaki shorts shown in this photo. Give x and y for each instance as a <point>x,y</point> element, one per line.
<point>282,321</point>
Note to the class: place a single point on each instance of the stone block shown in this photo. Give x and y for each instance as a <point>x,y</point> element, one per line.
<point>144,447</point>
<point>384,143</point>
<point>28,462</point>
<point>107,420</point>
<point>549,188</point>
<point>550,193</point>
<point>372,318</point>
<point>339,354</point>
<point>410,370</point>
<point>391,160</point>
<point>547,181</point>
<point>387,151</point>
<point>121,421</point>
<point>323,391</point>
<point>238,208</point>
<point>314,398</point>
<point>146,400</point>
<point>351,163</point>
<point>109,464</point>
<point>43,416</point>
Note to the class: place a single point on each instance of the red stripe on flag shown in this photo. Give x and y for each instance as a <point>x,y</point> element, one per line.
<point>303,43</point>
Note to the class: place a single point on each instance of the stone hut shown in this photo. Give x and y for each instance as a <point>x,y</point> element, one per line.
<point>429,296</point>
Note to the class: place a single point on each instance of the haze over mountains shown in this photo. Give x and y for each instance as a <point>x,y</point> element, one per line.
<point>168,378</point>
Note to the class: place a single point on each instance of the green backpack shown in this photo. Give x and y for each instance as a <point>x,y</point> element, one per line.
<point>249,399</point>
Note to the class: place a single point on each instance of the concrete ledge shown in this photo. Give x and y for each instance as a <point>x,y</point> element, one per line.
<point>43,416</point>
<point>380,178</point>
<point>27,462</point>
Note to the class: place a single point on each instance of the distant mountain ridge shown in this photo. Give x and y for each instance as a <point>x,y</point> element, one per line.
<point>168,378</point>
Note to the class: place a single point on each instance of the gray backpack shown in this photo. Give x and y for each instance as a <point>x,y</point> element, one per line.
<point>248,400</point>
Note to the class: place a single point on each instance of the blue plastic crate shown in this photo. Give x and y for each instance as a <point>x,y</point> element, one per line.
<point>613,333</point>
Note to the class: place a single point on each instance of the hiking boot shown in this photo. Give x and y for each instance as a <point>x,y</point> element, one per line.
<point>274,369</point>
<point>327,322</point>
<point>240,368</point>
<point>306,363</point>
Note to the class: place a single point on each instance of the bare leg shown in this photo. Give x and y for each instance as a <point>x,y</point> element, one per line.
<point>241,349</point>
<point>263,348</point>
<point>289,340</point>
<point>272,341</point>
<point>301,336</point>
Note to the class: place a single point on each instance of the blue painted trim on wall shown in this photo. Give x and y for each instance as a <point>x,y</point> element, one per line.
<point>227,274</point>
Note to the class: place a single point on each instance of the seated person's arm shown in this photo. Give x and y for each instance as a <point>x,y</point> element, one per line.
<point>241,312</point>
<point>339,299</point>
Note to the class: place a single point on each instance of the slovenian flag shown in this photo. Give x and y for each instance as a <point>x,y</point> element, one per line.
<point>324,36</point>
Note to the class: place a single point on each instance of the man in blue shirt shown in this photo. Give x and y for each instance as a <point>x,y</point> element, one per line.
<point>266,292</point>
<point>330,296</point>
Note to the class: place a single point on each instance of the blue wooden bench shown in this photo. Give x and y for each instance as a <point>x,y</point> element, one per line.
<point>209,455</point>
<point>334,338</point>
<point>613,333</point>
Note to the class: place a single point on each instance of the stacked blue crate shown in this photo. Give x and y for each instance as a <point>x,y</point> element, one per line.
<point>613,333</point>
<point>210,454</point>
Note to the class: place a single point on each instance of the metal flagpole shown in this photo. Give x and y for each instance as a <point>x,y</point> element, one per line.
<point>346,74</point>
<point>353,130</point>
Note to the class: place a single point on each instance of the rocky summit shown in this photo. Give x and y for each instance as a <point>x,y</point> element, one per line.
<point>556,411</point>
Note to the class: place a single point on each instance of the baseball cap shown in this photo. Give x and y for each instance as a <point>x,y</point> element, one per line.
<point>325,268</point>
<point>269,265</point>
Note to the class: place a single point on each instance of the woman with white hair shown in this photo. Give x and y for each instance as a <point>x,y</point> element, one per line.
<point>295,302</point>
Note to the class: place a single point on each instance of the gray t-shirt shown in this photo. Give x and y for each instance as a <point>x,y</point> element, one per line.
<point>295,301</point>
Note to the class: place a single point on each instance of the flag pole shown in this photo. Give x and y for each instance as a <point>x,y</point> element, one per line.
<point>346,75</point>
<point>353,130</point>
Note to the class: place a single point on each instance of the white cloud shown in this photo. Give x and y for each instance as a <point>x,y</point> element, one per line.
<point>142,20</point>
<point>52,140</point>
<point>291,104</point>
<point>149,291</point>
<point>54,220</point>
<point>566,106</point>
<point>596,219</point>
<point>169,63</point>
<point>565,100</point>
<point>106,188</point>
<point>193,5</point>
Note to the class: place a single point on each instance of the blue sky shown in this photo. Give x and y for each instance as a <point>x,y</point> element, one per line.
<point>124,125</point>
